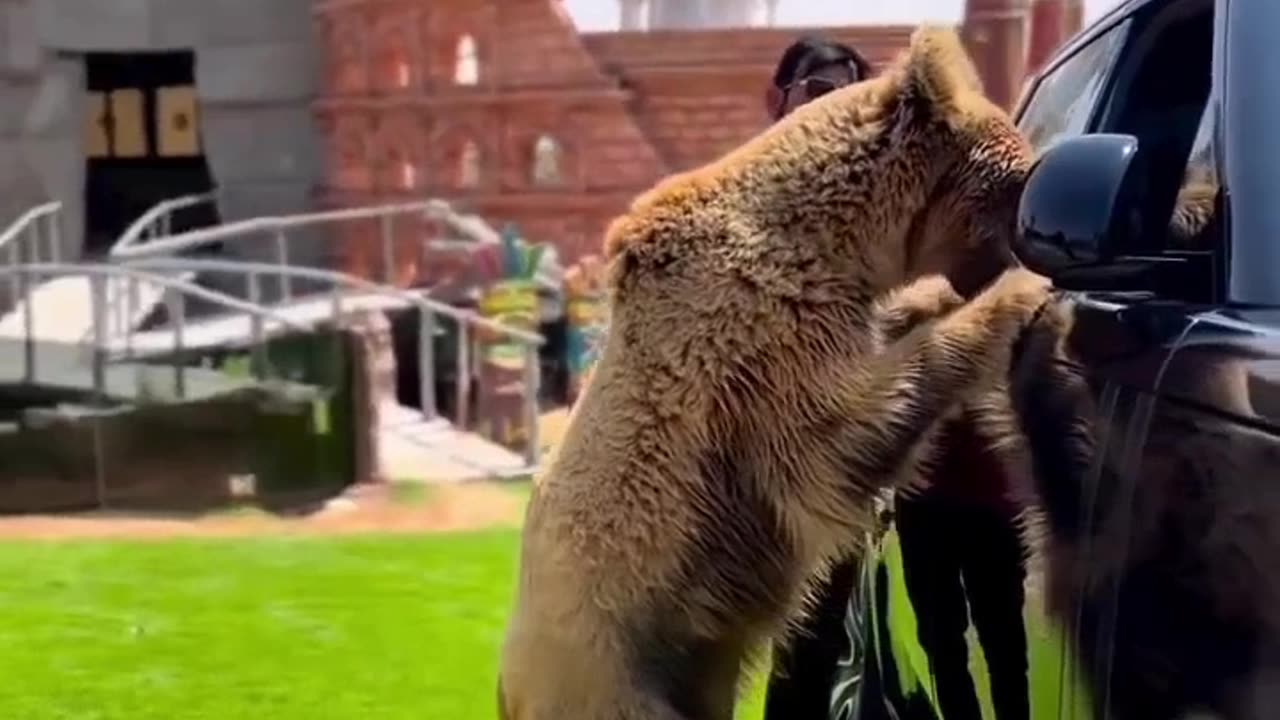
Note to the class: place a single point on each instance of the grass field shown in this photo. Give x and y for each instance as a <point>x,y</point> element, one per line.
<point>376,628</point>
<point>285,628</point>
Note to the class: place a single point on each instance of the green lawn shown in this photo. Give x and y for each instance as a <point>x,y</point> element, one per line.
<point>375,628</point>
<point>259,629</point>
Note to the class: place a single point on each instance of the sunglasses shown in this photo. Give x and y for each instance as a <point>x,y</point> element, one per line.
<point>814,87</point>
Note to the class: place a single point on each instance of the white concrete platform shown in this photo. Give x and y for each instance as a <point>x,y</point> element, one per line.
<point>62,310</point>
<point>235,329</point>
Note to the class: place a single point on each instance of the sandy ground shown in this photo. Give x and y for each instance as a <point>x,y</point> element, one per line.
<point>365,510</point>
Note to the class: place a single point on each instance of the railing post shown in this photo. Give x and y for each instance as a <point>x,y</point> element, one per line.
<point>336,299</point>
<point>118,303</point>
<point>462,377</point>
<point>256,360</point>
<point>11,280</point>
<point>28,326</point>
<point>55,237</point>
<point>282,259</point>
<point>131,310</point>
<point>532,376</point>
<point>98,307</point>
<point>427,362</point>
<point>177,305</point>
<point>32,240</point>
<point>388,250</point>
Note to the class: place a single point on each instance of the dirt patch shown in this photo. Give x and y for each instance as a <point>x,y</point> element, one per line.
<point>444,508</point>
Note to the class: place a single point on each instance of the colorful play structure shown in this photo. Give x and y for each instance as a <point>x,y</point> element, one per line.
<point>514,285</point>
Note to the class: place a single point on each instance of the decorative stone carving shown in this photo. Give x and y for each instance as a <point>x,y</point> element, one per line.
<point>345,36</point>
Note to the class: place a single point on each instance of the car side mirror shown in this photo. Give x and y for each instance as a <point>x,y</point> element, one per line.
<point>1079,207</point>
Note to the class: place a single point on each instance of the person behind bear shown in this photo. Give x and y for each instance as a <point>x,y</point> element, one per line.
<point>783,344</point>
<point>810,68</point>
<point>963,560</point>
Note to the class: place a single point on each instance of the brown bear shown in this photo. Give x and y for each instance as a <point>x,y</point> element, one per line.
<point>781,346</point>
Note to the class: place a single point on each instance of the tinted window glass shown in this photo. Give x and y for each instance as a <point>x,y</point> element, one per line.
<point>1063,101</point>
<point>1194,225</point>
<point>1161,96</point>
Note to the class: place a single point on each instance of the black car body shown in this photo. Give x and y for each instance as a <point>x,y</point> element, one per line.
<point>1156,203</point>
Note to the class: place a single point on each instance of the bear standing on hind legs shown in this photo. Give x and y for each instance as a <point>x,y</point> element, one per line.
<point>755,388</point>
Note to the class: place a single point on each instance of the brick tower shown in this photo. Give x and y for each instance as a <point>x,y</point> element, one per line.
<point>1048,31</point>
<point>634,15</point>
<point>995,32</point>
<point>1075,18</point>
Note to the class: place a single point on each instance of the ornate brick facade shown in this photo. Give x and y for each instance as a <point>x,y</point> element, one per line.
<point>505,109</point>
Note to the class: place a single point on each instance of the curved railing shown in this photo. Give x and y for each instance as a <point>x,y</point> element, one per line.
<point>100,341</point>
<point>20,242</point>
<point>278,226</point>
<point>139,241</point>
<point>428,309</point>
<point>158,221</point>
<point>144,248</point>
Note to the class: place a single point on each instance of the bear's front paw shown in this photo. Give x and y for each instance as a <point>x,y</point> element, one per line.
<point>1016,298</point>
<point>1044,341</point>
<point>925,299</point>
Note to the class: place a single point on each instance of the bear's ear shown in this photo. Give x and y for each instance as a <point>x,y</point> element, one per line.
<point>937,69</point>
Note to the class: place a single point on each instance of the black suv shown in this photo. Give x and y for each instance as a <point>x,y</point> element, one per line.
<point>1156,201</point>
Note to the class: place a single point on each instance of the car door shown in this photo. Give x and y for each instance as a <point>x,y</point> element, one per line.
<point>1173,581</point>
<point>1122,339</point>
<point>1157,89</point>
<point>1109,81</point>
<point>1190,620</point>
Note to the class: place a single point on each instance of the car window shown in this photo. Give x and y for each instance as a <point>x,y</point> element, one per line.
<point>1161,95</point>
<point>1194,225</point>
<point>1063,101</point>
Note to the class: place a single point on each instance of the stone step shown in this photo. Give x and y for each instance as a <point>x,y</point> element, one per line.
<point>415,449</point>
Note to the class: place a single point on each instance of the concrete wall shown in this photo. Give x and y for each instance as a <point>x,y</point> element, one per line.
<point>256,72</point>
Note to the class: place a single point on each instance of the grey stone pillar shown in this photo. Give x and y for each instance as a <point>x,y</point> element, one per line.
<point>633,15</point>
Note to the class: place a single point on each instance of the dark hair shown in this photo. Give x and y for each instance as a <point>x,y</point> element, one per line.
<point>810,53</point>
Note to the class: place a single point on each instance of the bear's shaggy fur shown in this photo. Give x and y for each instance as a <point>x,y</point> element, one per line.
<point>781,346</point>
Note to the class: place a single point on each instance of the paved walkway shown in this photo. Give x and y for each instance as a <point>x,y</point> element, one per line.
<point>236,329</point>
<point>62,309</point>
<point>416,449</point>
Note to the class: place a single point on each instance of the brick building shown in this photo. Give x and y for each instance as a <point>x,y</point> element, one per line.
<point>505,109</point>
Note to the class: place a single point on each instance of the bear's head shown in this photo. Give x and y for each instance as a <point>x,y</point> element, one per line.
<point>966,230</point>
<point>911,173</point>
<point>944,164</point>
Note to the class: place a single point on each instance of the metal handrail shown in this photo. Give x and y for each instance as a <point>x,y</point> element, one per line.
<point>255,269</point>
<point>98,274</point>
<point>432,209</point>
<point>427,310</point>
<point>158,221</point>
<point>26,219</point>
<point>130,246</point>
<point>162,250</point>
<point>28,225</point>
